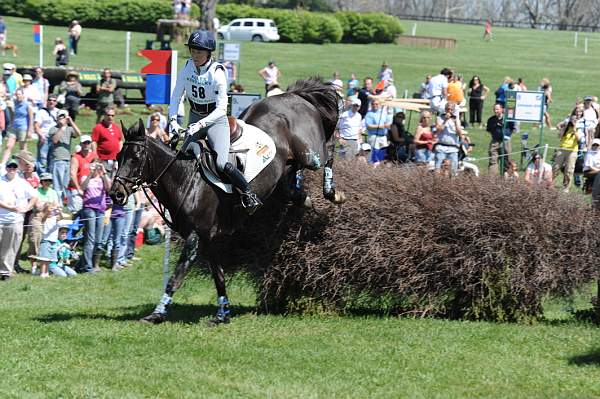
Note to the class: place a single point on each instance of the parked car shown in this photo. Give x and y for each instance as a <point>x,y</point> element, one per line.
<point>255,29</point>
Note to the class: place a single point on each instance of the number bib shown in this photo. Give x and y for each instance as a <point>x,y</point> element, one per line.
<point>202,88</point>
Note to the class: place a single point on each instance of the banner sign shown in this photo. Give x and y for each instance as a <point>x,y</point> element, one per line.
<point>525,106</point>
<point>241,101</point>
<point>89,77</point>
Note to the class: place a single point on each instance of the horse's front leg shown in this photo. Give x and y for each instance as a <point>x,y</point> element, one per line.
<point>188,257</point>
<point>329,192</point>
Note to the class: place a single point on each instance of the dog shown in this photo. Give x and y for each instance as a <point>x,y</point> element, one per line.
<point>13,47</point>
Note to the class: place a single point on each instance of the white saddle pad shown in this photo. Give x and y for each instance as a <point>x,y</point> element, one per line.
<point>255,149</point>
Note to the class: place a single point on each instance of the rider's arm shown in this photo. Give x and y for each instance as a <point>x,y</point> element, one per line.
<point>221,106</point>
<point>177,93</point>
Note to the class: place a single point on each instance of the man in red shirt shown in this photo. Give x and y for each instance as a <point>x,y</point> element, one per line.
<point>107,140</point>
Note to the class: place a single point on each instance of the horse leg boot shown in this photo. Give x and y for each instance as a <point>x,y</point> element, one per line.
<point>186,259</point>
<point>328,183</point>
<point>250,200</point>
<point>223,311</point>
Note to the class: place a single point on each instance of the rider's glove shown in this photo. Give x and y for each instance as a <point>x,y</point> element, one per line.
<point>174,127</point>
<point>195,127</point>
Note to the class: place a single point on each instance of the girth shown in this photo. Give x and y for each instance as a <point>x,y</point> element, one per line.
<point>203,109</point>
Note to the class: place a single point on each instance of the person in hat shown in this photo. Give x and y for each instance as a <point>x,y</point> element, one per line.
<point>205,85</point>
<point>270,74</point>
<point>590,119</point>
<point>349,130</point>
<point>74,36</point>
<point>60,151</point>
<point>16,198</point>
<point>21,124</point>
<point>60,53</point>
<point>31,93</point>
<point>72,90</point>
<point>65,254</point>
<point>79,168</point>
<point>12,78</point>
<point>385,73</point>
<point>49,214</point>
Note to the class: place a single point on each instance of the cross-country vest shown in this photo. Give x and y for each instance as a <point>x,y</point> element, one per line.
<point>202,89</point>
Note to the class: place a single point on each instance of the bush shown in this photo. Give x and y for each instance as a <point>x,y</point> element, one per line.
<point>16,8</point>
<point>411,242</point>
<point>368,27</point>
<point>137,15</point>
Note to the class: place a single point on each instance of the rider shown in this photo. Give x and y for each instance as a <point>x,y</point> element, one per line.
<point>205,84</point>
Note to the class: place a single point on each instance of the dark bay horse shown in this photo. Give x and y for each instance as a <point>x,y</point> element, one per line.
<point>301,122</point>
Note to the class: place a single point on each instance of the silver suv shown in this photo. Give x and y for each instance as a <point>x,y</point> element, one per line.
<point>255,29</point>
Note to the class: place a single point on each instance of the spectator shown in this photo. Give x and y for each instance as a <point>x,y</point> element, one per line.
<point>4,109</point>
<point>21,125</point>
<point>389,90</point>
<point>377,121</point>
<point>13,79</point>
<point>364,95</point>
<point>95,187</point>
<point>385,73</point>
<point>64,253</point>
<point>44,120</point>
<point>270,74</point>
<point>274,90</point>
<point>449,136</point>
<point>456,94</point>
<point>31,93</point>
<point>521,85</point>
<point>118,219</point>
<point>400,140</point>
<point>487,33</point>
<point>3,33</point>
<point>105,89</point>
<point>507,84</point>
<point>353,84</point>
<point>74,36</point>
<point>17,197</point>
<point>42,85</point>
<point>423,87</point>
<point>337,83</point>
<point>158,111</point>
<point>50,216</point>
<point>47,199</point>
<point>72,90</point>
<point>60,53</point>
<point>590,119</point>
<point>60,151</point>
<point>424,139</point>
<point>591,167</point>
<point>538,173</point>
<point>107,140</point>
<point>566,155</point>
<point>155,130</point>
<point>27,172</point>
<point>349,130</point>
<point>80,168</point>
<point>132,228</point>
<point>477,93</point>
<point>547,89</point>
<point>437,91</point>
<point>500,145</point>
<point>511,171</point>
<point>230,72</point>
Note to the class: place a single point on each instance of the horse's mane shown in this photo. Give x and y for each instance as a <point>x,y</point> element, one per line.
<point>323,96</point>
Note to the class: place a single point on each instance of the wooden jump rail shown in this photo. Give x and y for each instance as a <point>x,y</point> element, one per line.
<point>426,41</point>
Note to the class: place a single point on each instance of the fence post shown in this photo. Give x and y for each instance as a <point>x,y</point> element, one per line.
<point>414,29</point>
<point>585,46</point>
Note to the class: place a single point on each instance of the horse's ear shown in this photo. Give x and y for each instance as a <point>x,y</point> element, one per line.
<point>141,127</point>
<point>125,131</point>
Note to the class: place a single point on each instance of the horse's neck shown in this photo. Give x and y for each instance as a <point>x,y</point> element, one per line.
<point>168,177</point>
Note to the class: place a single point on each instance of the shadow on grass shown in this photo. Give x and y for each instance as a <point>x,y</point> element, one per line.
<point>578,317</point>
<point>591,358</point>
<point>178,313</point>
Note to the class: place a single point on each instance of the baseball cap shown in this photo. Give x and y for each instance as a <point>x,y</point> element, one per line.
<point>85,137</point>
<point>596,141</point>
<point>27,77</point>
<point>8,66</point>
<point>356,101</point>
<point>45,176</point>
<point>52,96</point>
<point>62,114</point>
<point>26,156</point>
<point>588,98</point>
<point>12,163</point>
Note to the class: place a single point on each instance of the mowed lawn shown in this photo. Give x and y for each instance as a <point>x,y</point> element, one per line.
<point>79,338</point>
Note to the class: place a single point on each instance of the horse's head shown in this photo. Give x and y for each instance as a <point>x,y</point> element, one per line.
<point>133,160</point>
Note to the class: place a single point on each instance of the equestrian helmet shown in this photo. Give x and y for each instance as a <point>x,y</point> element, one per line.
<point>202,40</point>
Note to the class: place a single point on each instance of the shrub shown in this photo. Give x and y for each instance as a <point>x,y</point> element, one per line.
<point>411,242</point>
<point>16,8</point>
<point>368,27</point>
<point>138,15</point>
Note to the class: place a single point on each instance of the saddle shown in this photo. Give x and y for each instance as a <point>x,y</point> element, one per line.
<point>251,150</point>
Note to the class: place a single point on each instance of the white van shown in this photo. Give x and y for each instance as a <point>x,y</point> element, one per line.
<point>255,29</point>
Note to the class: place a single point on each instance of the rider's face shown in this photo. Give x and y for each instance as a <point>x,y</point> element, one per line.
<point>199,56</point>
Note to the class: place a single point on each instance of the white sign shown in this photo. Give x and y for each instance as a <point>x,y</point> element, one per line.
<point>231,52</point>
<point>239,102</point>
<point>529,106</point>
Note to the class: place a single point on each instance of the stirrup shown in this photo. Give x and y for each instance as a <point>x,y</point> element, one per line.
<point>250,202</point>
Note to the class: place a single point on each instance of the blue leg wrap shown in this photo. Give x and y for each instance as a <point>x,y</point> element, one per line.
<point>223,311</point>
<point>165,301</point>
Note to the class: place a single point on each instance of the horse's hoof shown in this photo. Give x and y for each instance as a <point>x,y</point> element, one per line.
<point>153,318</point>
<point>214,322</point>
<point>339,197</point>
<point>307,202</point>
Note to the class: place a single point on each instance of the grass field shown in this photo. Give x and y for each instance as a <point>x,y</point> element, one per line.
<point>79,338</point>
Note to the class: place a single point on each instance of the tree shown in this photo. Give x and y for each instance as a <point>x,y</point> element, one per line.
<point>208,11</point>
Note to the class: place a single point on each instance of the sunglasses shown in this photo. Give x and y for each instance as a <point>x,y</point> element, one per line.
<point>110,115</point>
<point>11,167</point>
<point>155,120</point>
<point>52,99</point>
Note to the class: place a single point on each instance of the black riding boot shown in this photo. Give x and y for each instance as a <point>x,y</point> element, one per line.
<point>250,200</point>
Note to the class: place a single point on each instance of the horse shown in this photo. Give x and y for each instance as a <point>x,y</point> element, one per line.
<point>301,122</point>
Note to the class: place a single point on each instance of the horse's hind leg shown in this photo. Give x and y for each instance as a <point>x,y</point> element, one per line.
<point>222,315</point>
<point>329,192</point>
<point>186,260</point>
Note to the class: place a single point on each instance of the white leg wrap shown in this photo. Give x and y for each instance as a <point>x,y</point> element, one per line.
<point>165,301</point>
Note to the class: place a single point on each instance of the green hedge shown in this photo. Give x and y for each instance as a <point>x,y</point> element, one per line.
<point>136,15</point>
<point>368,27</point>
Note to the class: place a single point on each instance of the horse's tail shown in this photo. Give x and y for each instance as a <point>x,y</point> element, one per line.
<point>323,96</point>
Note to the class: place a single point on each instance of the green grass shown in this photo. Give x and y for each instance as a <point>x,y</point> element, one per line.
<point>79,338</point>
